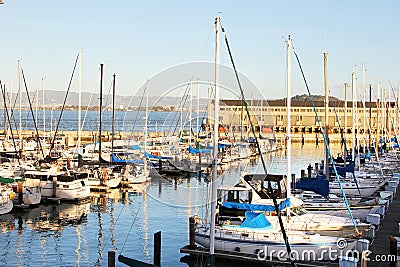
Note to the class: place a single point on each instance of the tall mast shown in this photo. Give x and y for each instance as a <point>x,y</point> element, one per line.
<point>37,106</point>
<point>113,116</point>
<point>78,143</point>
<point>145,125</point>
<point>100,108</point>
<point>353,126</point>
<point>289,123</point>
<point>190,113</point>
<point>397,112</point>
<point>181,116</point>
<point>44,110</point>
<point>20,106</point>
<point>370,116</point>
<point>346,86</point>
<point>365,108</point>
<point>198,112</point>
<point>326,170</point>
<point>215,148</point>
<point>378,117</point>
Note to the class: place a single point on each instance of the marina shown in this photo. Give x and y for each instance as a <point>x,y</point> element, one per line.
<point>200,167</point>
<point>82,234</point>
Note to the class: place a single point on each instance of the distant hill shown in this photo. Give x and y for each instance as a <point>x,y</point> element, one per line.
<point>55,99</point>
<point>305,97</point>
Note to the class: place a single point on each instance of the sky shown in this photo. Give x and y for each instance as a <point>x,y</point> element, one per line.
<point>138,39</point>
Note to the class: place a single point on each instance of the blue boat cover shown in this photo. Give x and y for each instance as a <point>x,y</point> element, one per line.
<point>135,147</point>
<point>342,170</point>
<point>256,220</point>
<point>318,185</point>
<point>116,159</point>
<point>246,206</point>
<point>193,150</point>
<point>150,156</point>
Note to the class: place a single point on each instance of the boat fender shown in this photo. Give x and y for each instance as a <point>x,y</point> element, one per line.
<point>237,249</point>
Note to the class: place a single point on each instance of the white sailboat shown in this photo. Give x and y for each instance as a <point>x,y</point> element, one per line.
<point>256,234</point>
<point>63,184</point>
<point>6,199</point>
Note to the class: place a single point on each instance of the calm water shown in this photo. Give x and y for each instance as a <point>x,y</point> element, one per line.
<point>81,235</point>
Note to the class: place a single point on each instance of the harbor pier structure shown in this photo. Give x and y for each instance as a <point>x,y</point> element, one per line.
<point>269,119</point>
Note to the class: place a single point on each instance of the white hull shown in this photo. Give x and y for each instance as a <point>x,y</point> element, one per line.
<point>6,207</point>
<point>111,183</point>
<point>138,179</point>
<point>6,197</point>
<point>74,190</point>
<point>314,222</point>
<point>264,243</point>
<point>352,190</point>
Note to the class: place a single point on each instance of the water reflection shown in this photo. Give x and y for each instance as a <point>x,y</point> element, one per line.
<point>46,218</point>
<point>123,220</point>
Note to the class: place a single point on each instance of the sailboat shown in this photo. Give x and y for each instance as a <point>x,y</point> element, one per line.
<point>256,235</point>
<point>6,199</point>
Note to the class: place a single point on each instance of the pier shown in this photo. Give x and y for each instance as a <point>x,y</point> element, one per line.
<point>381,246</point>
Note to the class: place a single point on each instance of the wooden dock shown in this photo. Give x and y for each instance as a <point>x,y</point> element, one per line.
<point>380,246</point>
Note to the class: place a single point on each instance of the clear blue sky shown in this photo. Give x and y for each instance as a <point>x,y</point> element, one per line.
<point>137,39</point>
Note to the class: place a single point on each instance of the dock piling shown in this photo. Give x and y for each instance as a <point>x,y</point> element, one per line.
<point>157,248</point>
<point>111,259</point>
<point>191,231</point>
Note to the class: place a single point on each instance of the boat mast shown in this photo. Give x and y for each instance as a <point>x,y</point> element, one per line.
<point>353,130</point>
<point>44,111</point>
<point>326,170</point>
<point>113,117</point>
<point>100,108</point>
<point>346,86</point>
<point>365,109</point>
<point>78,143</point>
<point>397,113</point>
<point>378,120</point>
<point>20,106</point>
<point>289,123</point>
<point>36,106</point>
<point>145,126</point>
<point>215,148</point>
<point>190,113</point>
<point>198,111</point>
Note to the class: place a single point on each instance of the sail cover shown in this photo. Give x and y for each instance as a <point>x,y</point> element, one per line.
<point>193,150</point>
<point>256,220</point>
<point>245,206</point>
<point>318,185</point>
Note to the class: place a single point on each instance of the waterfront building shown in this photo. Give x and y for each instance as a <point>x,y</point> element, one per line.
<point>269,116</point>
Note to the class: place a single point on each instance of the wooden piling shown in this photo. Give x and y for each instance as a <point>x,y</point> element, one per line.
<point>111,259</point>
<point>192,223</point>
<point>20,193</point>
<point>54,186</point>
<point>157,249</point>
